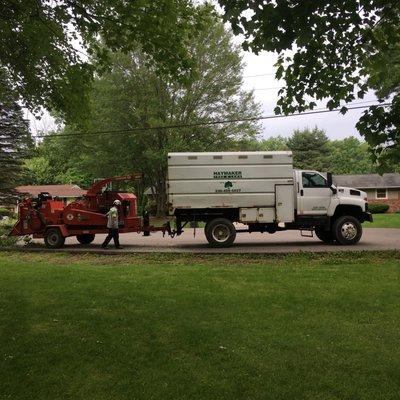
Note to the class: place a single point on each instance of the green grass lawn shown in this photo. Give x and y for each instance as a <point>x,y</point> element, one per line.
<point>384,221</point>
<point>309,326</point>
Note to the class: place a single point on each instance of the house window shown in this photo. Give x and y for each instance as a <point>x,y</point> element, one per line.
<point>381,193</point>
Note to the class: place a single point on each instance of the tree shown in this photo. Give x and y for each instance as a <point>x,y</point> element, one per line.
<point>42,43</point>
<point>379,125</point>
<point>275,143</point>
<point>326,49</point>
<point>38,171</point>
<point>345,156</point>
<point>58,160</point>
<point>310,149</point>
<point>15,139</point>
<point>136,105</point>
<point>350,156</point>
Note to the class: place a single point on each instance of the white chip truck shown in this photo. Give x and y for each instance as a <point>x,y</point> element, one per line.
<point>261,191</point>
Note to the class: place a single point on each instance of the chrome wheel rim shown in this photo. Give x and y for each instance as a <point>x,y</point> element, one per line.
<point>349,230</point>
<point>220,233</point>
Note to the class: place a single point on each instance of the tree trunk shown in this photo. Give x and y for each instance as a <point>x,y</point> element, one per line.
<point>161,198</point>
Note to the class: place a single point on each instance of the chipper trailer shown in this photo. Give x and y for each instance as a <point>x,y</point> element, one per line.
<point>230,192</point>
<point>48,218</point>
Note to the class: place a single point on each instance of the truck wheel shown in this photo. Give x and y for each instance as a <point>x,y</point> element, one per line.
<point>323,235</point>
<point>53,238</point>
<point>347,230</point>
<point>220,232</point>
<point>85,238</point>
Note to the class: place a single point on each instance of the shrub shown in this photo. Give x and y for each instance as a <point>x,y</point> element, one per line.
<point>378,208</point>
<point>6,213</point>
<point>5,228</point>
<point>7,241</point>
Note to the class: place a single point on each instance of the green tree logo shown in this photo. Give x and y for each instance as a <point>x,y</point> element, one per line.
<point>228,185</point>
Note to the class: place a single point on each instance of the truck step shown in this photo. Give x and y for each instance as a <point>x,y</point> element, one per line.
<point>307,232</point>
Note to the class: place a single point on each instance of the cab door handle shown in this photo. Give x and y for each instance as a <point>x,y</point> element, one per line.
<point>301,192</point>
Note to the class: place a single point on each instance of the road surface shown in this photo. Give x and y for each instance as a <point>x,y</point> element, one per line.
<point>280,242</point>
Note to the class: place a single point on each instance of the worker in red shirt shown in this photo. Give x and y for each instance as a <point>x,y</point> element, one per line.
<point>112,225</point>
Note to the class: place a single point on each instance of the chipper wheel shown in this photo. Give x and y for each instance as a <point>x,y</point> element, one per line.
<point>220,232</point>
<point>85,238</point>
<point>53,238</point>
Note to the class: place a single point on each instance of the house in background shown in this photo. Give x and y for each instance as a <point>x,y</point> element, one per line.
<point>66,193</point>
<point>379,188</point>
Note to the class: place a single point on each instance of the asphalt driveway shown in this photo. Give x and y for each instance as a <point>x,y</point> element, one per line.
<point>280,242</point>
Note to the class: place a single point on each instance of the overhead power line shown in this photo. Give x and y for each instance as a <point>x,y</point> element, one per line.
<point>269,88</point>
<point>205,123</point>
<point>257,75</point>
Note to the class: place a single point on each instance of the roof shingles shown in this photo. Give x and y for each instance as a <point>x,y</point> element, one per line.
<point>53,190</point>
<point>368,181</point>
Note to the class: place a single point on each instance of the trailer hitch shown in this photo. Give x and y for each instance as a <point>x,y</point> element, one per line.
<point>172,233</point>
<point>167,228</point>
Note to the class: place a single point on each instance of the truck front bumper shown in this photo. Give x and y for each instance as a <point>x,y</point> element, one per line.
<point>368,217</point>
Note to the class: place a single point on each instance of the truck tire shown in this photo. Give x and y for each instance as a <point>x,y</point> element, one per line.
<point>347,230</point>
<point>85,238</point>
<point>220,232</point>
<point>323,235</point>
<point>53,238</point>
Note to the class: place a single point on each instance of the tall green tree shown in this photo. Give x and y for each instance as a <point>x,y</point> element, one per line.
<point>275,143</point>
<point>38,171</point>
<point>310,149</point>
<point>325,52</point>
<point>58,160</point>
<point>380,124</point>
<point>47,47</point>
<point>15,139</point>
<point>350,156</point>
<point>133,96</point>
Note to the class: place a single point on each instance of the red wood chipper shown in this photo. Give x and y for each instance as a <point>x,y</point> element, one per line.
<point>48,218</point>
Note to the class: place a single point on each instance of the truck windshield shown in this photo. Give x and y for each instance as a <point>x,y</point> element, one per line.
<point>313,180</point>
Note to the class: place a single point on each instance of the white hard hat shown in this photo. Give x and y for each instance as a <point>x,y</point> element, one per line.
<point>117,203</point>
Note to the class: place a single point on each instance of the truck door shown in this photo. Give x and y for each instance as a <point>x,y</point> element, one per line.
<point>314,195</point>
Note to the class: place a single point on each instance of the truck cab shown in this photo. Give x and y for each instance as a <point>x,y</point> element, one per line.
<point>333,213</point>
<point>317,195</point>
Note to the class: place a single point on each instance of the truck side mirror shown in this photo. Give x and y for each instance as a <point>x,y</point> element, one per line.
<point>329,179</point>
<point>329,182</point>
